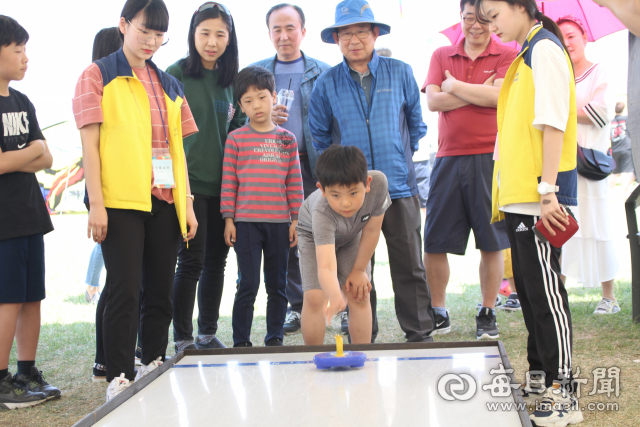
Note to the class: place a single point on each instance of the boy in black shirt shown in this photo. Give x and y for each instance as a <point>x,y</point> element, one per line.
<point>24,220</point>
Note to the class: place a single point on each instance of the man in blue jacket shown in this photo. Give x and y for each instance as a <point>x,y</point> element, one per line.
<point>297,71</point>
<point>373,103</point>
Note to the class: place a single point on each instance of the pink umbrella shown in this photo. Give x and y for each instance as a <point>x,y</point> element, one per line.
<point>598,20</point>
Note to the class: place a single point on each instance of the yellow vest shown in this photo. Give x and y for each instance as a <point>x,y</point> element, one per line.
<point>517,173</point>
<point>125,137</point>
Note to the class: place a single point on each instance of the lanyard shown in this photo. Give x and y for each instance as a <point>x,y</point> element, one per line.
<point>158,102</point>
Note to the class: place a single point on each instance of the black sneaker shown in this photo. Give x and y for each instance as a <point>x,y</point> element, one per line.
<point>487,327</point>
<point>184,345</point>
<point>344,323</point>
<point>274,342</point>
<point>442,324</point>
<point>208,342</point>
<point>243,344</point>
<point>14,394</point>
<point>292,323</point>
<point>36,384</point>
<point>512,304</point>
<point>99,373</point>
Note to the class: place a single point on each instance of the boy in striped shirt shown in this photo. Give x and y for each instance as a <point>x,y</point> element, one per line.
<point>260,198</point>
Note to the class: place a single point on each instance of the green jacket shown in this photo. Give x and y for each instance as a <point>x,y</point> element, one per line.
<point>216,113</point>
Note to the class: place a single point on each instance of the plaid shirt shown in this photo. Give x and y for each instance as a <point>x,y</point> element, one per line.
<point>387,131</point>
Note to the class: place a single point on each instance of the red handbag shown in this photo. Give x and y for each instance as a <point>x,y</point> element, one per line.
<point>561,237</point>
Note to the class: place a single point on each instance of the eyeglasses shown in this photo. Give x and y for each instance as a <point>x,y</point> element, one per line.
<point>361,34</point>
<point>469,19</point>
<point>211,5</point>
<point>145,36</point>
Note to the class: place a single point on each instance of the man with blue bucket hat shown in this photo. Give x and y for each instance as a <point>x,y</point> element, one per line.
<point>373,103</point>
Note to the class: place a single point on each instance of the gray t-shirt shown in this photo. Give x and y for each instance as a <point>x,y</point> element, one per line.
<point>292,71</point>
<point>329,227</point>
<point>365,80</point>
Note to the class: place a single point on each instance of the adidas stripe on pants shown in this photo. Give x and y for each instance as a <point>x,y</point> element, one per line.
<point>543,297</point>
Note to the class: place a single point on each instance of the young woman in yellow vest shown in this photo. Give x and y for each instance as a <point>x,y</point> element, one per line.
<point>534,175</point>
<point>132,118</point>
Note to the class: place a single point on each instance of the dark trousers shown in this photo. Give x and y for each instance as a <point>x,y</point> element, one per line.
<point>252,240</point>
<point>401,228</point>
<point>200,266</point>
<point>543,297</point>
<point>294,280</point>
<point>140,254</point>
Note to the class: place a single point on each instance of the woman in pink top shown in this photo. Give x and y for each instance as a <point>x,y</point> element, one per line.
<point>138,206</point>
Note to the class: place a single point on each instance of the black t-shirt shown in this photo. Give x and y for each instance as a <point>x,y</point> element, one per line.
<point>619,135</point>
<point>22,208</point>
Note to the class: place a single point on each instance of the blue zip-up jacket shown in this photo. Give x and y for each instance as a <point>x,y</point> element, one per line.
<point>312,70</point>
<point>387,131</point>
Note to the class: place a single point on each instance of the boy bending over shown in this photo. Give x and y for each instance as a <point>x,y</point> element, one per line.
<point>338,230</point>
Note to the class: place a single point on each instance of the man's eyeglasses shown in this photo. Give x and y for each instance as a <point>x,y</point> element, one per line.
<point>145,36</point>
<point>469,19</point>
<point>361,34</point>
<point>211,5</point>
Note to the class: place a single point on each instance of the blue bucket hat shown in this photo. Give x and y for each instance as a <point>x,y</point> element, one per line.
<point>349,12</point>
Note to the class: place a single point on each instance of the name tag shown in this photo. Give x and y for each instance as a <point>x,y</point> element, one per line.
<point>162,168</point>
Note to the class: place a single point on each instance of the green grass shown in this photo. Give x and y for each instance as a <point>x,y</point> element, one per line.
<point>67,342</point>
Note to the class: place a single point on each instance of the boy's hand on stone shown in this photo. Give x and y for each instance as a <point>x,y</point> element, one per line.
<point>293,233</point>
<point>358,283</point>
<point>552,213</point>
<point>229,231</point>
<point>278,114</point>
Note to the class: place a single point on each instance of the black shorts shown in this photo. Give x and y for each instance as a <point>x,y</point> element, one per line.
<point>22,269</point>
<point>624,161</point>
<point>459,201</point>
<point>423,173</point>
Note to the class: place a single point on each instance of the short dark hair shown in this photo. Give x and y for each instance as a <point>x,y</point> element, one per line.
<point>342,165</point>
<point>12,32</point>
<point>282,6</point>
<point>463,2</point>
<point>156,15</point>
<point>107,41</point>
<point>254,76</point>
<point>620,107</point>
<point>228,63</point>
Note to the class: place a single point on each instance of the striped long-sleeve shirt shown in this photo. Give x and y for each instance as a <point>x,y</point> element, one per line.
<point>261,179</point>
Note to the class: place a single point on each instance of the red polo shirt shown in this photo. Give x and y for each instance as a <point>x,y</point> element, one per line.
<point>470,129</point>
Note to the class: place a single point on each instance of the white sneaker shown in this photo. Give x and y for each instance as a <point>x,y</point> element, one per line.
<point>607,306</point>
<point>145,369</point>
<point>558,408</point>
<point>533,389</point>
<point>117,386</point>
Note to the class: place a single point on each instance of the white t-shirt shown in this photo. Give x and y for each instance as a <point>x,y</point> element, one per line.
<point>552,80</point>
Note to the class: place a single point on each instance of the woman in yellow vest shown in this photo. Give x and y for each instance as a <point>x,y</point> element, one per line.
<point>534,175</point>
<point>132,118</point>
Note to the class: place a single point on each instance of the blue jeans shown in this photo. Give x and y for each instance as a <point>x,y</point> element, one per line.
<point>252,240</point>
<point>96,262</point>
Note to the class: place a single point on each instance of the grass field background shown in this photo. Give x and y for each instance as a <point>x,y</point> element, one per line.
<point>67,341</point>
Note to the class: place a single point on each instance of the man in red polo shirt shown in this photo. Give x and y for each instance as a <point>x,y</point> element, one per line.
<point>463,85</point>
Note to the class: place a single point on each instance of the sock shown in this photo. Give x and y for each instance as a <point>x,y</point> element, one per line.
<point>442,311</point>
<point>3,373</point>
<point>24,366</point>
<point>493,311</point>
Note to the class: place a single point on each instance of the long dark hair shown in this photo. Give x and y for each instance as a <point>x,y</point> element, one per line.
<point>228,63</point>
<point>534,13</point>
<point>156,15</point>
<point>106,42</point>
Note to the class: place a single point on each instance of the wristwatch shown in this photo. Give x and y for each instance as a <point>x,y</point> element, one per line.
<point>544,188</point>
